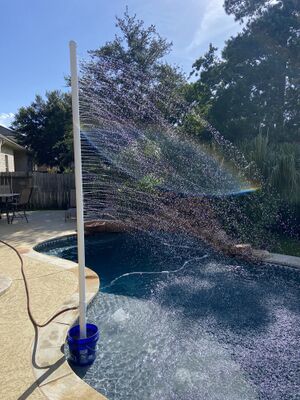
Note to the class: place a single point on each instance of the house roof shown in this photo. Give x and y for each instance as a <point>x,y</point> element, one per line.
<point>7,136</point>
<point>7,132</point>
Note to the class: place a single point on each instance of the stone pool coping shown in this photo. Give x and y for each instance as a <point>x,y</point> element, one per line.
<point>270,258</point>
<point>283,259</point>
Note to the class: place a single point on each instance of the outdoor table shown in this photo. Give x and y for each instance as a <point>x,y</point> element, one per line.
<point>6,199</point>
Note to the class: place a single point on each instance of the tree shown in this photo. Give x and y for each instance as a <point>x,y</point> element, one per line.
<point>45,129</point>
<point>255,87</point>
<point>133,64</point>
<point>199,94</point>
<point>253,9</point>
<point>137,45</point>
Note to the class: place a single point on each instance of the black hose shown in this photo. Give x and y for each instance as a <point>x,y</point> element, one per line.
<point>32,319</point>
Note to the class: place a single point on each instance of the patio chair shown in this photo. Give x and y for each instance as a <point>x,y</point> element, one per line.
<point>19,206</point>
<point>71,211</point>
<point>4,189</point>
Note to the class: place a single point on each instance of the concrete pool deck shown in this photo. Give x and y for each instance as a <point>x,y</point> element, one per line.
<point>32,369</point>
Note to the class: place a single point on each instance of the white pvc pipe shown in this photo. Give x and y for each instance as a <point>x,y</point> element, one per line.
<point>79,191</point>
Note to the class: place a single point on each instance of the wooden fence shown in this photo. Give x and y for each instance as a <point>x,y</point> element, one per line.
<point>50,191</point>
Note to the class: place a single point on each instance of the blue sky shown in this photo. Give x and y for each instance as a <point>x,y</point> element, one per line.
<point>34,36</point>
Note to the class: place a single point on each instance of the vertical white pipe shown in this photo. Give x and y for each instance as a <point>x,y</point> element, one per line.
<point>79,192</point>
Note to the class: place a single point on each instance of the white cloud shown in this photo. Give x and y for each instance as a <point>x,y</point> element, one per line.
<point>215,26</point>
<point>6,119</point>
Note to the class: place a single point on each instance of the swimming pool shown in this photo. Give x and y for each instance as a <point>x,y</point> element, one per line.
<point>178,321</point>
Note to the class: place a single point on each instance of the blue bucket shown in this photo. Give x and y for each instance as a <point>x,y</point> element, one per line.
<point>83,351</point>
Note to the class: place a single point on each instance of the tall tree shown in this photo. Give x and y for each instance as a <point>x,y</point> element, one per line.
<point>137,44</point>
<point>133,63</point>
<point>255,87</point>
<point>44,128</point>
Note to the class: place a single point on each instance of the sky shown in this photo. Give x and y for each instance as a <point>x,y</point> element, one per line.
<point>34,36</point>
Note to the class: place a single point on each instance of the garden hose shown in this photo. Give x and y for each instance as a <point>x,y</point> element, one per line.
<point>31,317</point>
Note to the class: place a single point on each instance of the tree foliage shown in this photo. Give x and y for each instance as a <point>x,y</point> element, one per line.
<point>135,65</point>
<point>137,44</point>
<point>44,127</point>
<point>255,86</point>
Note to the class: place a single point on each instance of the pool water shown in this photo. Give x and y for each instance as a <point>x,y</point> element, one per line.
<point>179,322</point>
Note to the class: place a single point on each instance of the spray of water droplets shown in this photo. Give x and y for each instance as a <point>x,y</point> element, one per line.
<point>139,167</point>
